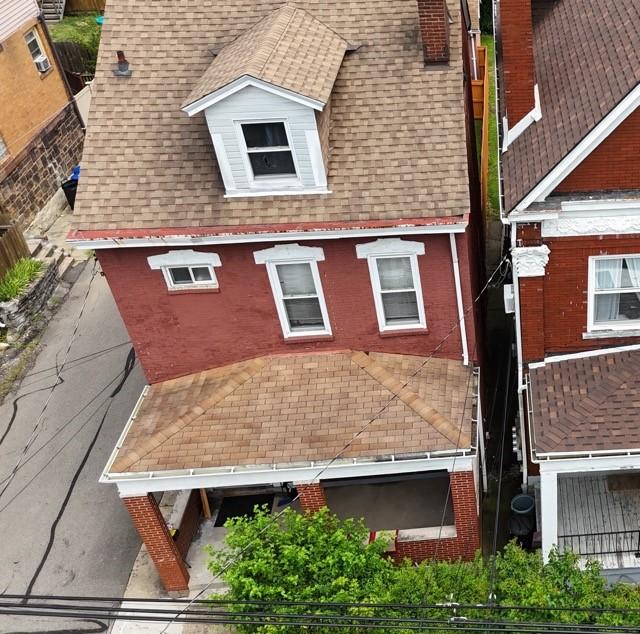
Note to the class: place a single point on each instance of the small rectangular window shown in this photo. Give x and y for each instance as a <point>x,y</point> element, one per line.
<point>615,297</point>
<point>268,149</point>
<point>33,45</point>
<point>3,148</point>
<point>398,293</point>
<point>190,276</point>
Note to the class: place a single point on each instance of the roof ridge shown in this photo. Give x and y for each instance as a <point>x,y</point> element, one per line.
<point>411,399</point>
<point>282,34</point>
<point>235,380</point>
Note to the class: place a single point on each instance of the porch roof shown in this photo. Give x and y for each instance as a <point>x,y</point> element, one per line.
<point>587,404</point>
<point>283,410</point>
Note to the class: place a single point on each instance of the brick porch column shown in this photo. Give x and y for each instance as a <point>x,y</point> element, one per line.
<point>312,497</point>
<point>150,524</point>
<point>465,509</point>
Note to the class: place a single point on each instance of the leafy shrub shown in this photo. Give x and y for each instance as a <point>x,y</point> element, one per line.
<point>18,278</point>
<point>322,558</point>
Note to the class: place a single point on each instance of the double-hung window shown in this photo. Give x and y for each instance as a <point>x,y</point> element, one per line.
<point>3,148</point>
<point>269,150</point>
<point>297,290</point>
<point>395,281</point>
<point>186,269</point>
<point>33,44</point>
<point>614,292</point>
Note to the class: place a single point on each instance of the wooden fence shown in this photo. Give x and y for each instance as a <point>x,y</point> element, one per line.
<point>13,246</point>
<point>76,60</point>
<point>480,94</point>
<point>83,6</point>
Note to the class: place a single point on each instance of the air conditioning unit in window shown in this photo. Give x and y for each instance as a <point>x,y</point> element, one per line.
<point>42,63</point>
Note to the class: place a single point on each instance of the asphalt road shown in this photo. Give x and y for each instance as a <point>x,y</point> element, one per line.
<point>61,532</point>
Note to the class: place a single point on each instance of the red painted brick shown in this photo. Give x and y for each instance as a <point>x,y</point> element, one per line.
<point>434,30</point>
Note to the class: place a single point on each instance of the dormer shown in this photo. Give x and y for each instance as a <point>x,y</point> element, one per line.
<point>266,98</point>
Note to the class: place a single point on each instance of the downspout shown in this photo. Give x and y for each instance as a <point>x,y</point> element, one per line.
<point>456,277</point>
<point>521,384</point>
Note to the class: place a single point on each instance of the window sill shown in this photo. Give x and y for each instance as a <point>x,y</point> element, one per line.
<point>406,332</point>
<point>611,334</point>
<point>276,192</point>
<point>46,72</point>
<point>308,339</point>
<point>189,291</point>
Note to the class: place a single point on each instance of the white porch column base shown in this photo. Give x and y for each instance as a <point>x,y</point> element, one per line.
<point>549,511</point>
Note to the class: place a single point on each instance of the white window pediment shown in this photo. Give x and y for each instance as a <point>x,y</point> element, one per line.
<point>395,282</point>
<point>186,269</point>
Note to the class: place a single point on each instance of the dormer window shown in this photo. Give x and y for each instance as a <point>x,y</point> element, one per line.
<point>268,149</point>
<point>263,96</point>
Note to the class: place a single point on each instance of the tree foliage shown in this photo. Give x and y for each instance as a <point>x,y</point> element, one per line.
<point>321,558</point>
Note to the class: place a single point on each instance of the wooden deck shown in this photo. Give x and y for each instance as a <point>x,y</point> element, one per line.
<point>603,511</point>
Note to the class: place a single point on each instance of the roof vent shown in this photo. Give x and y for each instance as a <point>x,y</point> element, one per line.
<point>122,70</point>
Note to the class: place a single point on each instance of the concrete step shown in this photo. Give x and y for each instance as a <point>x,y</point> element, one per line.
<point>64,265</point>
<point>35,246</point>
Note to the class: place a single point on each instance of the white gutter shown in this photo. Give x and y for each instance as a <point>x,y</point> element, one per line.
<point>585,354</point>
<point>458,284</point>
<point>135,484</point>
<point>285,236</point>
<point>480,439</point>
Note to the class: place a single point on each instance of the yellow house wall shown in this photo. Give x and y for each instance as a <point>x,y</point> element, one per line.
<point>28,99</point>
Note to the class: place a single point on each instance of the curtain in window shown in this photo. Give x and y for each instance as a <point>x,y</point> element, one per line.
<point>395,274</point>
<point>399,298</point>
<point>300,296</point>
<point>633,266</point>
<point>608,276</point>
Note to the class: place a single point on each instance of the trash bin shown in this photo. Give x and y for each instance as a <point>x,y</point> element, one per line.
<point>70,186</point>
<point>522,522</point>
<point>523,504</point>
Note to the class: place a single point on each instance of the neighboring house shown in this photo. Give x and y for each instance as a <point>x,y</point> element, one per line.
<point>570,73</point>
<point>284,203</point>
<point>41,134</point>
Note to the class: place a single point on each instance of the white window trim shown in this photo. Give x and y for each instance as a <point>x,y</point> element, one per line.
<point>294,254</point>
<point>632,324</point>
<point>38,42</point>
<point>391,248</point>
<point>186,258</point>
<point>263,183</point>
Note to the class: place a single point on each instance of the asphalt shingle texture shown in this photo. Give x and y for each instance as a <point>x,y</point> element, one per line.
<point>397,132</point>
<point>587,59</point>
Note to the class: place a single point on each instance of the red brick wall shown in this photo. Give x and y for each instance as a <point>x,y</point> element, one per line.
<point>190,523</point>
<point>614,164</point>
<point>565,290</point>
<point>150,524</point>
<point>312,497</point>
<point>516,34</point>
<point>176,335</point>
<point>434,30</point>
<point>467,541</point>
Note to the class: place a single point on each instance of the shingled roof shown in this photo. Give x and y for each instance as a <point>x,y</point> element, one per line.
<point>587,404</point>
<point>587,59</point>
<point>397,129</point>
<point>300,409</point>
<point>288,48</point>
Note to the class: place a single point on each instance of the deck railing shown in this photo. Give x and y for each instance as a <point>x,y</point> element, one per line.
<point>611,543</point>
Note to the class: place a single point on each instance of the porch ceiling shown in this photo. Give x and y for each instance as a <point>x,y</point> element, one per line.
<point>586,404</point>
<point>299,409</point>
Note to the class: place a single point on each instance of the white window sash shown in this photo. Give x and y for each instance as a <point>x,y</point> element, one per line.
<point>374,274</point>
<point>212,283</point>
<point>186,259</point>
<point>33,36</point>
<point>279,297</point>
<point>593,292</point>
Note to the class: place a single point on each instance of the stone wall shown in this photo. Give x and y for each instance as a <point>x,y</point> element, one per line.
<point>19,313</point>
<point>31,178</point>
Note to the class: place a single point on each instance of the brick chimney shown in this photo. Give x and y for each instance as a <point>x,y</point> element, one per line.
<point>516,33</point>
<point>434,30</point>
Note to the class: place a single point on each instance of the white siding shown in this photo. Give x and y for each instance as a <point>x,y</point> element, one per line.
<point>254,104</point>
<point>14,13</point>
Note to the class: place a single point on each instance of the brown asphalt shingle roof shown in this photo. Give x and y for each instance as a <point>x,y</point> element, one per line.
<point>397,136</point>
<point>587,58</point>
<point>289,48</point>
<point>301,408</point>
<point>587,404</point>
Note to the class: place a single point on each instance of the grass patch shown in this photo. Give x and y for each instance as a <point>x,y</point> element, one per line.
<point>22,273</point>
<point>493,195</point>
<point>16,370</point>
<point>81,29</point>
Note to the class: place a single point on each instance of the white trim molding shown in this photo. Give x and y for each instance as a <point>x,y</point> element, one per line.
<point>284,254</point>
<point>590,225</point>
<point>394,248</point>
<point>530,261</point>
<point>533,116</point>
<point>459,302</point>
<point>592,140</point>
<point>188,259</point>
<point>243,82</point>
<point>267,236</point>
<point>585,354</point>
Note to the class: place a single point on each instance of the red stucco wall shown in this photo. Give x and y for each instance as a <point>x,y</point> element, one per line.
<point>176,335</point>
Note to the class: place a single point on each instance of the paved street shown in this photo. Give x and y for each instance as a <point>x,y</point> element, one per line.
<point>62,532</point>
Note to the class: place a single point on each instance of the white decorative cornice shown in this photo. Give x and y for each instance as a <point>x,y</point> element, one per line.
<point>184,257</point>
<point>530,261</point>
<point>594,225</point>
<point>285,252</point>
<point>389,246</point>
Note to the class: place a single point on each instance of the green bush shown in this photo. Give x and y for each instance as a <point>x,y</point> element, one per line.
<point>322,558</point>
<point>18,278</point>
